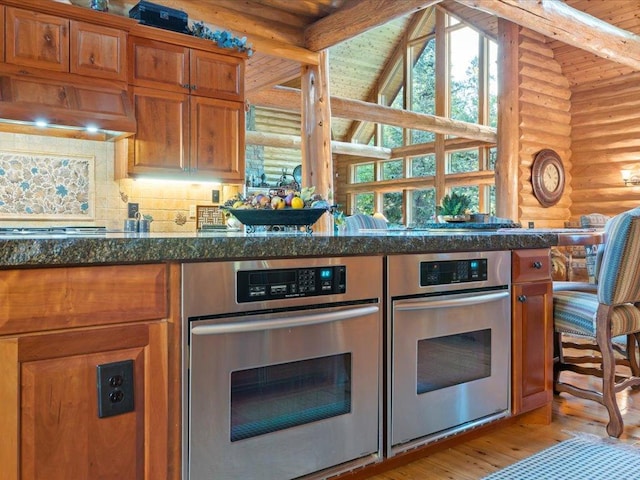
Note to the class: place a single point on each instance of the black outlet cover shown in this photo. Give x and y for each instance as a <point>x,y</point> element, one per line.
<point>215,196</point>
<point>115,388</point>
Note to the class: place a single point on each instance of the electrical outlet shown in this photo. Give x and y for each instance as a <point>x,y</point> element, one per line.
<point>215,196</point>
<point>115,388</point>
<point>192,211</point>
<point>132,210</point>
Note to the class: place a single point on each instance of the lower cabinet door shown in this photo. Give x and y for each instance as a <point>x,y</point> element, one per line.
<point>48,389</point>
<point>532,346</point>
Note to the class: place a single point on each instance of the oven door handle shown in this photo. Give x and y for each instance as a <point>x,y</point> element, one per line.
<point>272,324</point>
<point>445,302</point>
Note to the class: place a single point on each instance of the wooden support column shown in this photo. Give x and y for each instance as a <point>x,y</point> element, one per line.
<point>317,162</point>
<point>508,160</point>
<point>442,104</point>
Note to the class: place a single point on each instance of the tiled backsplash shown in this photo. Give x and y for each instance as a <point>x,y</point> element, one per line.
<point>167,202</point>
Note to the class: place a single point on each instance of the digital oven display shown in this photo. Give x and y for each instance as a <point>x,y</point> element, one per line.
<point>260,285</point>
<point>453,271</point>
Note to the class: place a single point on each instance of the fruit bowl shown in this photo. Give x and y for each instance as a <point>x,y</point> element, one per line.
<point>298,217</point>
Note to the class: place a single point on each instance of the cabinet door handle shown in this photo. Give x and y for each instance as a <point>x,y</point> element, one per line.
<point>194,87</point>
<point>522,298</point>
<point>537,265</point>
<point>186,85</point>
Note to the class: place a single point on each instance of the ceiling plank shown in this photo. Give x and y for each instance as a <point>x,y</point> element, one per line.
<point>290,99</point>
<point>559,21</point>
<point>357,17</point>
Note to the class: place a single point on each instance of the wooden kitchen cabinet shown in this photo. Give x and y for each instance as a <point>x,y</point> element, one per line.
<point>532,331</point>
<point>35,39</point>
<point>189,110</point>
<point>2,28</point>
<point>49,42</point>
<point>56,326</point>
<point>98,51</point>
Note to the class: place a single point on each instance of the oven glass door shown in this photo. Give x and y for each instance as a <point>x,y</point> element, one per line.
<point>450,362</point>
<point>282,396</point>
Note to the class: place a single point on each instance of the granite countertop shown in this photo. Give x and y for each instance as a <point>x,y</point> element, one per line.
<point>122,248</point>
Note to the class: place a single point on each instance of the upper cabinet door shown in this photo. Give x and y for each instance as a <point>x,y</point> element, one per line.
<point>218,76</point>
<point>159,65</point>
<point>1,33</point>
<point>98,51</point>
<point>37,40</point>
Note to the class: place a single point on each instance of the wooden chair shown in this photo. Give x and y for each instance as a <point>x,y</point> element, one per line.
<point>601,315</point>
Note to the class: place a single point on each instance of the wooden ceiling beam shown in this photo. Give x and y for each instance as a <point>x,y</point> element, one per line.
<point>559,21</point>
<point>294,141</point>
<point>357,17</point>
<point>289,99</point>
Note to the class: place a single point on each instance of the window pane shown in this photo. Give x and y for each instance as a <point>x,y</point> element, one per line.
<point>492,200</point>
<point>472,192</point>
<point>424,166</point>
<point>363,173</point>
<point>493,83</point>
<point>392,136</point>
<point>463,70</point>
<point>391,169</point>
<point>423,86</point>
<point>465,161</point>
<point>364,203</point>
<point>392,207</point>
<point>423,206</point>
<point>493,156</point>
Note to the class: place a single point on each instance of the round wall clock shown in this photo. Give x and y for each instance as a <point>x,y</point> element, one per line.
<point>547,177</point>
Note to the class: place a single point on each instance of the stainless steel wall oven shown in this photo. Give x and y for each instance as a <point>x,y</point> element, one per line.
<point>282,368</point>
<point>448,340</point>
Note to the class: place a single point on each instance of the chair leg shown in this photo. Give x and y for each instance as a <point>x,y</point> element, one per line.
<point>633,344</point>
<point>615,425</point>
<point>558,358</point>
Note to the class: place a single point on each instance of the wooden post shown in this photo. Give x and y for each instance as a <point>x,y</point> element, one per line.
<point>317,162</point>
<point>508,160</point>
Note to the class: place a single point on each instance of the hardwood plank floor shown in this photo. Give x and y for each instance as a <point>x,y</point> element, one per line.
<point>497,449</point>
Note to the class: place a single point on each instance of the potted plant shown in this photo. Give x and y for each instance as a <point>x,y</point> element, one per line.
<point>454,208</point>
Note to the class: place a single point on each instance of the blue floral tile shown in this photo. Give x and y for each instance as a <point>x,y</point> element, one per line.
<point>36,186</point>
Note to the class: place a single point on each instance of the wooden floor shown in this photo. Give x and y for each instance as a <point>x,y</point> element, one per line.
<point>491,452</point>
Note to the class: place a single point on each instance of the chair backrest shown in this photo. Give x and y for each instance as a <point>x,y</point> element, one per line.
<point>593,253</point>
<point>619,276</point>
<point>361,221</point>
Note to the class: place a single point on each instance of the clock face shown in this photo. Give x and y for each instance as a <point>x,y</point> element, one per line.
<point>547,177</point>
<point>551,178</point>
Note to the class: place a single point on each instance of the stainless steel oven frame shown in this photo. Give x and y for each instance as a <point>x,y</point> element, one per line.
<point>417,315</point>
<point>222,335</point>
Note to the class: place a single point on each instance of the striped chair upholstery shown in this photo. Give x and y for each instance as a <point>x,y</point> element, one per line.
<point>607,313</point>
<point>359,221</point>
<point>593,253</point>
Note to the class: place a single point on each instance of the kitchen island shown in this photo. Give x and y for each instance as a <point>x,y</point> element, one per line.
<point>73,303</point>
<point>126,248</point>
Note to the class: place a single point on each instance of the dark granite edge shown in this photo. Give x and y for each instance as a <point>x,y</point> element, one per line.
<point>29,252</point>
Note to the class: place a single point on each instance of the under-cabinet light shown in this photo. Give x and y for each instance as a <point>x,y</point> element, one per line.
<point>41,123</point>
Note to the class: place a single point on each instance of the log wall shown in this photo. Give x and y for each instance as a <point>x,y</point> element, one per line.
<point>545,122</point>
<point>606,139</point>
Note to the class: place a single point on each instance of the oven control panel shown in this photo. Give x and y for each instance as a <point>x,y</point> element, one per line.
<point>260,285</point>
<point>453,271</point>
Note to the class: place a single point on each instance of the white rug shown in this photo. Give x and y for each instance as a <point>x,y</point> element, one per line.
<point>584,457</point>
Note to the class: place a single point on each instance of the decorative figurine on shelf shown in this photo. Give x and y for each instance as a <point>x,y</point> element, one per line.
<point>100,5</point>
